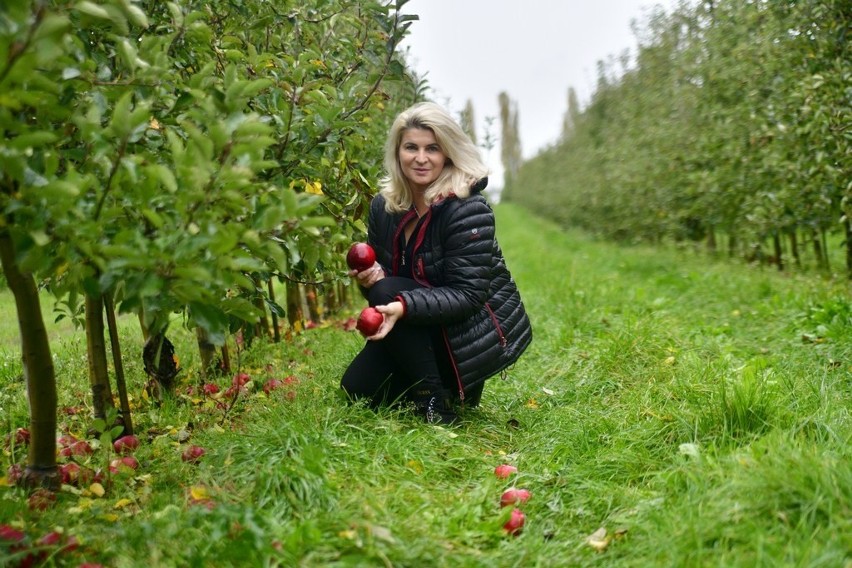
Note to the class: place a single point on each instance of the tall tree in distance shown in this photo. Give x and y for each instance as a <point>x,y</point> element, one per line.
<point>468,120</point>
<point>510,141</point>
<point>572,115</point>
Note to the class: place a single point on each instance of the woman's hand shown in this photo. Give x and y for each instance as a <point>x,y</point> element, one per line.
<point>369,276</point>
<point>392,313</point>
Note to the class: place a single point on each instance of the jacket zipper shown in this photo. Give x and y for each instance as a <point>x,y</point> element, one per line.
<point>496,323</point>
<point>453,361</point>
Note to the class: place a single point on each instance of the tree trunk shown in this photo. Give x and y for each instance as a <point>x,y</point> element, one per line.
<point>779,252</point>
<point>96,351</point>
<point>226,359</point>
<point>207,353</point>
<point>330,297</point>
<point>261,328</point>
<point>313,304</point>
<point>39,372</point>
<point>824,239</point>
<point>818,253</point>
<point>294,307</point>
<point>848,227</point>
<point>794,248</point>
<point>711,240</point>
<point>276,326</point>
<point>120,383</point>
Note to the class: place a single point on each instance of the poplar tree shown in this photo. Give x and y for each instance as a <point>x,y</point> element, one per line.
<point>510,143</point>
<point>468,121</point>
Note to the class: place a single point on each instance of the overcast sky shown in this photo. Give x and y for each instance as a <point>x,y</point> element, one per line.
<point>534,50</point>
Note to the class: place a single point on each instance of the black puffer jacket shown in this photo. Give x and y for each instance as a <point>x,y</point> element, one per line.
<point>468,290</point>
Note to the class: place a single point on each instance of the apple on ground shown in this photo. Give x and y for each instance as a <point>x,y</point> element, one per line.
<point>41,499</point>
<point>192,454</point>
<point>57,539</point>
<point>78,448</point>
<point>210,388</point>
<point>515,523</point>
<point>503,471</point>
<point>361,256</point>
<point>14,473</point>
<point>369,321</point>
<point>9,533</point>
<point>514,496</point>
<point>126,444</point>
<point>123,463</point>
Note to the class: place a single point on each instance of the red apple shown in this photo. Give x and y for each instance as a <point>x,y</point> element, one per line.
<point>21,437</point>
<point>503,471</point>
<point>272,384</point>
<point>41,499</point>
<point>56,539</point>
<point>514,497</point>
<point>11,534</point>
<point>78,448</point>
<point>240,379</point>
<point>369,321</point>
<point>361,256</point>
<point>14,473</point>
<point>126,444</point>
<point>66,440</point>
<point>193,454</point>
<point>210,388</point>
<point>515,523</point>
<point>124,462</point>
<point>70,472</point>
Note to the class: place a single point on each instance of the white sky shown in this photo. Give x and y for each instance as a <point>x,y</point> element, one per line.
<point>534,50</point>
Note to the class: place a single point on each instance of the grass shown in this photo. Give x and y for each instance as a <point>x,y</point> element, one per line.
<point>699,412</point>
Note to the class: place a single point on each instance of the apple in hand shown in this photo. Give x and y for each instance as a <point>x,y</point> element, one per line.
<point>515,523</point>
<point>369,321</point>
<point>361,256</point>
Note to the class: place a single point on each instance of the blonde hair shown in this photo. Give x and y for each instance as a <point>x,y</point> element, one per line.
<point>464,165</point>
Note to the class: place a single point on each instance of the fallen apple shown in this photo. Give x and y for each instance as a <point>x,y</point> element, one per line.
<point>369,321</point>
<point>57,539</point>
<point>41,499</point>
<point>126,444</point>
<point>271,385</point>
<point>515,523</point>
<point>78,448</point>
<point>70,473</point>
<point>514,497</point>
<point>504,470</point>
<point>11,534</point>
<point>210,388</point>
<point>14,473</point>
<point>192,454</point>
<point>361,256</point>
<point>240,379</point>
<point>124,462</point>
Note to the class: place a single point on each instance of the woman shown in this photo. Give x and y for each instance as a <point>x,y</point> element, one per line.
<point>452,313</point>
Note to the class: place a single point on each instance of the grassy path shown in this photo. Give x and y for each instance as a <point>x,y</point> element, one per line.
<point>696,412</point>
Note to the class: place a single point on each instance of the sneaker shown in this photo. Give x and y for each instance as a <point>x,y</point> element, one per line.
<point>435,410</point>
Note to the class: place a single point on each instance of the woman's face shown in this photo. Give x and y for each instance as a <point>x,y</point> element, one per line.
<point>420,158</point>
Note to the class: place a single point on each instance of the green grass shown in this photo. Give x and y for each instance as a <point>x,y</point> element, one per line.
<point>699,410</point>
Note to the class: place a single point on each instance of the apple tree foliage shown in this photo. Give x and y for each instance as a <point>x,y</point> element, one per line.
<point>169,156</point>
<point>730,126</point>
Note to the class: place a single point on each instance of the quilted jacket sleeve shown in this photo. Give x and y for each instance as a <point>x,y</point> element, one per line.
<point>460,267</point>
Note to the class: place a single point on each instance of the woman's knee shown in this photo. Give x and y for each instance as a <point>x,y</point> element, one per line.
<point>383,292</point>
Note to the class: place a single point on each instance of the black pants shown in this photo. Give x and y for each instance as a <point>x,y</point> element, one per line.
<point>388,370</point>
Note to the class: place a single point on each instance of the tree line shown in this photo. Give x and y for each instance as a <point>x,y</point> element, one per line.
<point>731,129</point>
